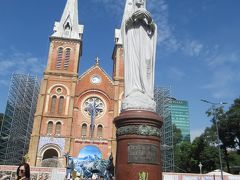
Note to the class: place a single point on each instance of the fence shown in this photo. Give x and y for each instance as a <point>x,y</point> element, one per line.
<point>37,173</point>
<point>42,173</point>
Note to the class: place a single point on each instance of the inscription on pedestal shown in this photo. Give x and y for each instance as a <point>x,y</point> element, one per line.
<point>143,154</point>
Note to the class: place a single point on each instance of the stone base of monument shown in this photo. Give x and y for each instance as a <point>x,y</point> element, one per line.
<point>138,146</point>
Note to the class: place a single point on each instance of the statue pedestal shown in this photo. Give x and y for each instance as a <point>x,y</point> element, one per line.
<point>138,145</point>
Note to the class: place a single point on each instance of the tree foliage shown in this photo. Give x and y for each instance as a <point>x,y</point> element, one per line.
<point>204,149</point>
<point>177,135</point>
<point>233,124</point>
<point>183,157</point>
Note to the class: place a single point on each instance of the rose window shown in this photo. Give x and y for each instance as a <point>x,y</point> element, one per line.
<point>93,107</point>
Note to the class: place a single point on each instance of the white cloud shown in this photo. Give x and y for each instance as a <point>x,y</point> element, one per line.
<point>166,33</point>
<point>5,65</point>
<point>193,48</point>
<point>176,73</point>
<point>224,75</point>
<point>223,85</point>
<point>166,38</point>
<point>19,62</point>
<point>4,82</point>
<point>196,133</point>
<point>159,10</point>
<point>115,7</point>
<point>222,59</point>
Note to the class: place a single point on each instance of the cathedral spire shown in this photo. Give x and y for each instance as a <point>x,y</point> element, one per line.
<point>68,26</point>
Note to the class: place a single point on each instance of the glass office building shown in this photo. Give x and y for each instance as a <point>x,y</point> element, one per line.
<point>180,117</point>
<point>174,112</point>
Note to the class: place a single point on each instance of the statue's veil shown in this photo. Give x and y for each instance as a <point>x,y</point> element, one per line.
<point>129,9</point>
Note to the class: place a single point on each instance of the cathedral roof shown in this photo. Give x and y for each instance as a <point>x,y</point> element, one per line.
<point>96,66</point>
<point>68,26</point>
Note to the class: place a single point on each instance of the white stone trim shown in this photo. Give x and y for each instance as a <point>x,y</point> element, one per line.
<point>50,146</point>
<point>99,124</point>
<point>67,47</point>
<point>67,105</point>
<point>85,122</point>
<point>51,142</point>
<point>48,96</point>
<point>59,121</point>
<point>94,95</point>
<point>47,103</point>
<point>55,121</point>
<point>53,86</point>
<point>120,99</point>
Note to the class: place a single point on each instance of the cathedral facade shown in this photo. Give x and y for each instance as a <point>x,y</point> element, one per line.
<point>75,112</point>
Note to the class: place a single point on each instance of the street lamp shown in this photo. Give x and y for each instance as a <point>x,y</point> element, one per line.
<point>214,104</point>
<point>200,167</point>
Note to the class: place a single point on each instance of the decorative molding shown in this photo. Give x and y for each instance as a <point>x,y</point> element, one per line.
<point>96,67</point>
<point>64,40</point>
<point>142,130</point>
<point>96,96</point>
<point>55,121</point>
<point>100,124</point>
<point>44,141</point>
<point>60,85</point>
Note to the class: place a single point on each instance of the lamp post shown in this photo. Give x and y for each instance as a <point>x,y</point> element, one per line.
<point>214,104</point>
<point>200,167</point>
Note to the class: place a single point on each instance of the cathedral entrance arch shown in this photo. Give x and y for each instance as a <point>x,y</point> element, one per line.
<point>50,157</point>
<point>50,153</point>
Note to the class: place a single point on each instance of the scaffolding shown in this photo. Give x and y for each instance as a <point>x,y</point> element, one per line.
<point>18,119</point>
<point>162,98</point>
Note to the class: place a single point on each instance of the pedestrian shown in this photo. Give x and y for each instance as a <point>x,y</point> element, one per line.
<point>23,172</point>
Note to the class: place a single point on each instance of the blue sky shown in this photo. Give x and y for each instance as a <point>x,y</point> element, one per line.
<point>198,53</point>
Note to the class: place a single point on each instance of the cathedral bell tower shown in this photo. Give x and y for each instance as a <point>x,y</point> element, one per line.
<point>66,43</point>
<point>118,79</point>
<point>51,136</point>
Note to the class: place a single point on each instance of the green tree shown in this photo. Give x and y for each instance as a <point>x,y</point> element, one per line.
<point>205,152</point>
<point>228,128</point>
<point>182,152</point>
<point>220,120</point>
<point>234,162</point>
<point>204,149</point>
<point>183,160</point>
<point>177,135</point>
<point>233,115</point>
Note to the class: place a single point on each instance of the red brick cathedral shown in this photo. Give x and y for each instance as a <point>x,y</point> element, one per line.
<point>75,112</point>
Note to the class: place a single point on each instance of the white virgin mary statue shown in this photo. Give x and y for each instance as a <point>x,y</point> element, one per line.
<point>139,36</point>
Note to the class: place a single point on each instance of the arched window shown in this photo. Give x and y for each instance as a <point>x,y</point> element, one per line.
<point>60,104</point>
<point>53,104</point>
<point>59,58</point>
<point>67,58</point>
<point>84,130</point>
<point>58,128</point>
<point>49,127</point>
<point>99,131</point>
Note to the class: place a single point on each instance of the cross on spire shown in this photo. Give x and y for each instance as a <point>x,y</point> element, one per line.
<point>97,60</point>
